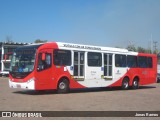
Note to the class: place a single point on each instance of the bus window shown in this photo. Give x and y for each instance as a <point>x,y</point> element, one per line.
<point>107,64</point>
<point>131,61</point>
<point>142,62</point>
<point>62,57</point>
<point>94,59</point>
<point>120,60</point>
<point>78,64</point>
<point>44,64</point>
<point>150,65</point>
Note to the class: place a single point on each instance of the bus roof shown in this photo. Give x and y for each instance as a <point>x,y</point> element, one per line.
<point>89,47</point>
<point>82,47</point>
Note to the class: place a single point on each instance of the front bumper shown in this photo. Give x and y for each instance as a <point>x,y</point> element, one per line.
<point>25,85</point>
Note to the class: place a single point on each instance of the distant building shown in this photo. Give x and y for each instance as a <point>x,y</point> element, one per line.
<point>6,51</point>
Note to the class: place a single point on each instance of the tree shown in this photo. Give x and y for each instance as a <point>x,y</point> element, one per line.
<point>141,50</point>
<point>8,39</point>
<point>40,41</point>
<point>138,49</point>
<point>131,48</point>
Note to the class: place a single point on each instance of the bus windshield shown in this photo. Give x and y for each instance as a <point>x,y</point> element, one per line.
<point>23,61</point>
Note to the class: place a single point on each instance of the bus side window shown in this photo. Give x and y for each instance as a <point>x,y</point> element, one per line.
<point>142,62</point>
<point>131,61</point>
<point>120,60</point>
<point>150,63</point>
<point>44,64</point>
<point>62,57</point>
<point>94,59</point>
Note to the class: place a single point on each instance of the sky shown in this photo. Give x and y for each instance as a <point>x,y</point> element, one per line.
<point>111,23</point>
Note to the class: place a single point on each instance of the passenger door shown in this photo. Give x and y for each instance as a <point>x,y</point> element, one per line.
<point>44,69</point>
<point>78,72</point>
<point>108,66</point>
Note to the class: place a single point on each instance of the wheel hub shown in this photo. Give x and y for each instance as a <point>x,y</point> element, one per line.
<point>135,83</point>
<point>126,84</point>
<point>62,85</point>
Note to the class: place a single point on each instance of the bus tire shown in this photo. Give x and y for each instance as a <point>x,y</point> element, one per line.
<point>125,83</point>
<point>63,86</point>
<point>135,84</point>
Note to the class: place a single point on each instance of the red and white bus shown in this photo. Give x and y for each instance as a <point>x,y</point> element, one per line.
<point>64,66</point>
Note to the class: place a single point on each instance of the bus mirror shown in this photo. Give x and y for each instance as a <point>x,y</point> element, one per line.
<point>43,56</point>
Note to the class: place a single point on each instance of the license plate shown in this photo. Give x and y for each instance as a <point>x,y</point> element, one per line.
<point>18,86</point>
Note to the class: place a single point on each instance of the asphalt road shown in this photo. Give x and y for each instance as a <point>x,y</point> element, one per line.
<point>147,98</point>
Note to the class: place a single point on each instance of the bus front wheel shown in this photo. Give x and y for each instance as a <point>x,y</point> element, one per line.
<point>63,86</point>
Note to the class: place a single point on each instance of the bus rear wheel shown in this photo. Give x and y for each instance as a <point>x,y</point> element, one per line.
<point>125,84</point>
<point>135,84</point>
<point>63,86</point>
